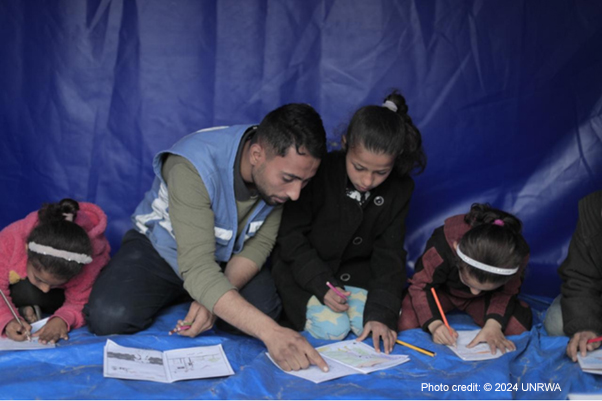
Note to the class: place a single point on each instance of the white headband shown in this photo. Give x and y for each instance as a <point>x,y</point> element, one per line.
<point>70,256</point>
<point>390,105</point>
<point>484,267</point>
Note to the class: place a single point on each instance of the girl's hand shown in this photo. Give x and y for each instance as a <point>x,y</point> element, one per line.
<point>15,332</point>
<point>53,331</point>
<point>335,302</point>
<point>578,343</point>
<point>201,320</point>
<point>492,334</point>
<point>441,334</point>
<point>379,330</point>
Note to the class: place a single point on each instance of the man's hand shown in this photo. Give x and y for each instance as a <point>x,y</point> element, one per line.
<point>578,344</point>
<point>291,351</point>
<point>379,330</point>
<point>336,302</point>
<point>492,334</point>
<point>53,331</point>
<point>200,319</point>
<point>15,332</point>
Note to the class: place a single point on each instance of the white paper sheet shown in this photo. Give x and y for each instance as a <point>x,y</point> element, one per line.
<point>592,362</point>
<point>346,358</point>
<point>165,367</point>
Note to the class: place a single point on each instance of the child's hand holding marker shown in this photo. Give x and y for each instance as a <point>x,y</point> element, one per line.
<point>181,326</point>
<point>336,298</point>
<point>197,320</point>
<point>18,330</point>
<point>441,330</point>
<point>442,334</point>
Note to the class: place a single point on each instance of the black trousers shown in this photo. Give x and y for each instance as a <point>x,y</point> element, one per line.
<point>24,293</point>
<point>137,283</point>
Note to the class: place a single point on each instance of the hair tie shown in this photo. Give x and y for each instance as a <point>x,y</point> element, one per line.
<point>68,216</point>
<point>390,105</point>
<point>499,222</point>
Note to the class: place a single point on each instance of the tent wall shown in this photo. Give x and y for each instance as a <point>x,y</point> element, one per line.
<point>507,95</point>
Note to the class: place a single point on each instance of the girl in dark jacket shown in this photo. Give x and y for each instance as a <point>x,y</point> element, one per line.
<point>339,262</point>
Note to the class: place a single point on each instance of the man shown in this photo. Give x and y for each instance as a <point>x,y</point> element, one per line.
<point>205,229</point>
<point>577,313</point>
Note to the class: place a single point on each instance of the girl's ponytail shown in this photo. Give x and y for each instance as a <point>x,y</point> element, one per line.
<point>412,156</point>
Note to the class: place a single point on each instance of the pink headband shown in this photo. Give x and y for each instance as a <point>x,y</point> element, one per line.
<point>498,222</point>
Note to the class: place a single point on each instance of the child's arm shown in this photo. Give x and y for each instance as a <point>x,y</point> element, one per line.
<point>432,270</point>
<point>294,246</point>
<point>12,255</point>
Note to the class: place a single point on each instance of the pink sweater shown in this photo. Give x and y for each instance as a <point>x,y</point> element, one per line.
<point>13,263</point>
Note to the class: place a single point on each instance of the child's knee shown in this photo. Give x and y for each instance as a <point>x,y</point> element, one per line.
<point>325,324</point>
<point>553,321</point>
<point>102,320</point>
<point>357,303</point>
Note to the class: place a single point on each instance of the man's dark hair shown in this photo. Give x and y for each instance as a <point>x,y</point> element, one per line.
<point>294,124</point>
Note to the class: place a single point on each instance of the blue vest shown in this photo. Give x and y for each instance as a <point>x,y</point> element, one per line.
<point>213,153</point>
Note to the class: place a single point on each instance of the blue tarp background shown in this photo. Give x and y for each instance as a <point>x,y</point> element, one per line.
<point>507,95</point>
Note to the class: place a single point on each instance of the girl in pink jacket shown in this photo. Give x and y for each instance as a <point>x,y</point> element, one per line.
<point>48,263</point>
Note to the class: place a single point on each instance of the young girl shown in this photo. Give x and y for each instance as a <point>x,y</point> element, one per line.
<point>476,263</point>
<point>339,262</point>
<point>48,262</point>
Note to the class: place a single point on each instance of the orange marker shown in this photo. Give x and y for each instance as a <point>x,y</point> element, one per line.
<point>441,311</point>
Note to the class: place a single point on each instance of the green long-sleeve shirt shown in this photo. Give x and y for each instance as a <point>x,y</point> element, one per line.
<point>193,225</point>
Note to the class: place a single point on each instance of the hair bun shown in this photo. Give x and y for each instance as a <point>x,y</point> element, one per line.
<point>65,210</point>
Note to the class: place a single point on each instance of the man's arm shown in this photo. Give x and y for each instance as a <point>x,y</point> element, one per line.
<point>240,271</point>
<point>192,221</point>
<point>289,349</point>
<point>245,265</point>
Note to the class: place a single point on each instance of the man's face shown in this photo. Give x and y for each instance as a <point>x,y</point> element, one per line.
<point>279,179</point>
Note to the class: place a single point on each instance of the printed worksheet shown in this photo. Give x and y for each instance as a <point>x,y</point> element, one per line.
<point>165,367</point>
<point>346,358</point>
<point>6,344</point>
<point>592,362</point>
<point>480,352</point>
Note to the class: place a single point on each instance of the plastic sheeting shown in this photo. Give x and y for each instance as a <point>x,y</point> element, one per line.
<point>73,370</point>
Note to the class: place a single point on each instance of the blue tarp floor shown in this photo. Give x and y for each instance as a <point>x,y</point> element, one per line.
<point>538,369</point>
